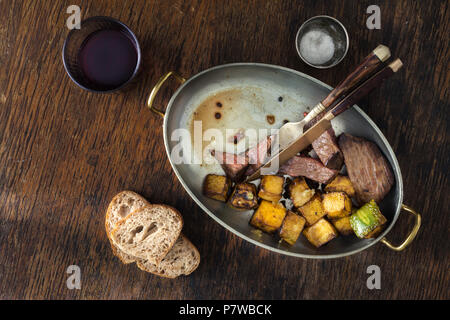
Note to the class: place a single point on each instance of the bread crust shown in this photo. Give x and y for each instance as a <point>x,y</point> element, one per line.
<point>140,262</point>
<point>123,256</point>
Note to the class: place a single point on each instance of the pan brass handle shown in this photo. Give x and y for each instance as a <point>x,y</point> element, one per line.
<point>158,85</point>
<point>412,234</point>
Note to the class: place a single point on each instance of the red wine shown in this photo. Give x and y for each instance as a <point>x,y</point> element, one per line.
<point>108,58</point>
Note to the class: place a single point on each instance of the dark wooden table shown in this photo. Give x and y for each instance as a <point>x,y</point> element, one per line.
<point>65,152</point>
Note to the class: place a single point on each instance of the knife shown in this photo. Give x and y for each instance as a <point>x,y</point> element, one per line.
<point>299,144</point>
<point>291,130</point>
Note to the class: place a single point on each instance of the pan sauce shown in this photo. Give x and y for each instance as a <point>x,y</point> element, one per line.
<point>234,110</point>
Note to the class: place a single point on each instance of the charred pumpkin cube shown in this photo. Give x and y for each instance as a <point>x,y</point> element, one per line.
<point>341,183</point>
<point>343,225</point>
<point>244,196</point>
<point>300,192</point>
<point>291,228</point>
<point>269,216</point>
<point>313,210</point>
<point>337,205</point>
<point>271,188</point>
<point>320,233</point>
<point>216,187</point>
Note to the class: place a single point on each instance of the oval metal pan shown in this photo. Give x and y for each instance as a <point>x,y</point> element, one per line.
<point>307,91</point>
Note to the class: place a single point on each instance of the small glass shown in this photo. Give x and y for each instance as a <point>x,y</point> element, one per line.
<point>102,56</point>
<point>334,33</point>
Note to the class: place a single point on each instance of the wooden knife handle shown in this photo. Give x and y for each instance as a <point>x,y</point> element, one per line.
<point>365,68</point>
<point>365,88</point>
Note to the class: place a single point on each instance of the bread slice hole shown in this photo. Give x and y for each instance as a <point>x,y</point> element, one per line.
<point>134,232</point>
<point>152,228</point>
<point>124,210</point>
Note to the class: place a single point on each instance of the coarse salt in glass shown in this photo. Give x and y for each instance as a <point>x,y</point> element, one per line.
<point>317,47</point>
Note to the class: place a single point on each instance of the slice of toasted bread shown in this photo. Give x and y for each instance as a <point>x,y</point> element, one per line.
<point>182,259</point>
<point>120,206</point>
<point>148,233</point>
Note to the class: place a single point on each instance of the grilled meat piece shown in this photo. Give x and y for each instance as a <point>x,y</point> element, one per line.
<point>326,145</point>
<point>258,155</point>
<point>237,137</point>
<point>327,149</point>
<point>234,165</point>
<point>308,167</point>
<point>369,171</point>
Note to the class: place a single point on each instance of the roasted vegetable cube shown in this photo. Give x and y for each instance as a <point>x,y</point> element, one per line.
<point>337,205</point>
<point>271,188</point>
<point>343,225</point>
<point>244,196</point>
<point>375,232</point>
<point>216,187</point>
<point>292,226</point>
<point>341,183</point>
<point>320,233</point>
<point>299,192</point>
<point>269,216</point>
<point>366,220</point>
<point>313,210</point>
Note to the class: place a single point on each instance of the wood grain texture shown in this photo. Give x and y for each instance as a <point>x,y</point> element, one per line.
<point>66,152</point>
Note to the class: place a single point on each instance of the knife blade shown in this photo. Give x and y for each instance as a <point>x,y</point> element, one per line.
<point>299,144</point>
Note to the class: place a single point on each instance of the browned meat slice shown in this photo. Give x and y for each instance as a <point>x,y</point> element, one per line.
<point>308,167</point>
<point>234,165</point>
<point>369,171</point>
<point>326,146</point>
<point>238,136</point>
<point>258,155</point>
<point>327,149</point>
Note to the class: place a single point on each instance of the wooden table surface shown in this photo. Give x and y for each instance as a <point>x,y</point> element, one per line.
<point>65,152</point>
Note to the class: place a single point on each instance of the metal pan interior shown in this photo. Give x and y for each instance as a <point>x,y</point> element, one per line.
<point>266,83</point>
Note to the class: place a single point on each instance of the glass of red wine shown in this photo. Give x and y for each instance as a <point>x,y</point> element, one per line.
<point>102,56</point>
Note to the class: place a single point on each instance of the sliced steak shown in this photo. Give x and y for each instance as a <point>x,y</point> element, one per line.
<point>237,137</point>
<point>326,146</point>
<point>308,167</point>
<point>369,171</point>
<point>258,155</point>
<point>327,149</point>
<point>234,165</point>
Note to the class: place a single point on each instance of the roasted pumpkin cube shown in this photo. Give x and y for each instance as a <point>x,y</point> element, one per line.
<point>343,225</point>
<point>244,196</point>
<point>341,183</point>
<point>271,188</point>
<point>269,216</point>
<point>291,228</point>
<point>367,221</point>
<point>337,205</point>
<point>300,192</point>
<point>313,210</point>
<point>320,233</point>
<point>216,187</point>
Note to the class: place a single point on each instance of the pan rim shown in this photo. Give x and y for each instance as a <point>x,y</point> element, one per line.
<point>397,171</point>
